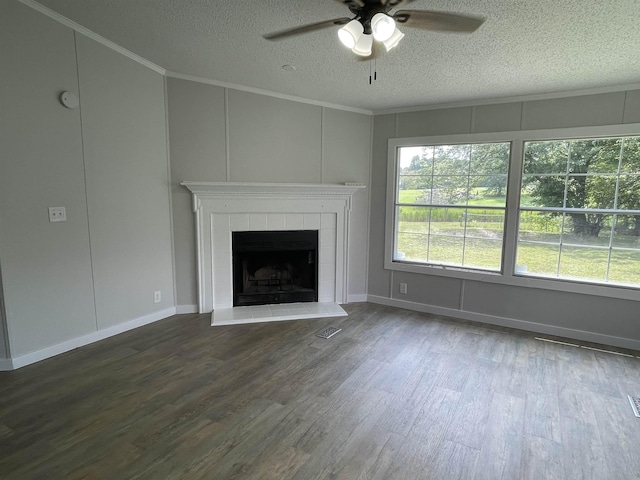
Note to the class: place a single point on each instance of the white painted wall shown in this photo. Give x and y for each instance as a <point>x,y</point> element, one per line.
<point>219,134</point>
<point>106,162</point>
<point>581,316</point>
<point>46,267</point>
<point>4,346</point>
<point>125,146</point>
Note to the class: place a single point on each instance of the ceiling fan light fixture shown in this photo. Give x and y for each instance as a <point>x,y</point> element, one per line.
<point>393,40</point>
<point>382,27</point>
<point>351,33</point>
<point>363,46</point>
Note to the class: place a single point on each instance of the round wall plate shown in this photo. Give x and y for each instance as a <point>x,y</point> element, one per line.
<point>69,100</point>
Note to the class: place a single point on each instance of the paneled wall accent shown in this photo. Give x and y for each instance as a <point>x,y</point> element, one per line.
<point>219,134</point>
<point>70,283</point>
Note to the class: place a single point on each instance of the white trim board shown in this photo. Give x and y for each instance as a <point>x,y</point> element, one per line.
<point>509,322</point>
<point>224,207</point>
<point>514,99</point>
<point>268,93</point>
<point>74,343</point>
<point>276,313</point>
<point>163,71</point>
<point>92,35</point>
<point>468,103</point>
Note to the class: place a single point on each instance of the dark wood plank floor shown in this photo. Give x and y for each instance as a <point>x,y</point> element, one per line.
<point>395,395</point>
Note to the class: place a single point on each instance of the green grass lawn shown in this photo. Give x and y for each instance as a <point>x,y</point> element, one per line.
<point>445,241</point>
<point>482,247</point>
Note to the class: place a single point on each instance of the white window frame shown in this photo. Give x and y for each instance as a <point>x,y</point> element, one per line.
<point>508,275</point>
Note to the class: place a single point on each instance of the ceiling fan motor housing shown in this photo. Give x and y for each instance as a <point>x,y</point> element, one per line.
<point>365,13</point>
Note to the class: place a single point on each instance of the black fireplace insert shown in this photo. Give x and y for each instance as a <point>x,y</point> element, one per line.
<point>275,267</point>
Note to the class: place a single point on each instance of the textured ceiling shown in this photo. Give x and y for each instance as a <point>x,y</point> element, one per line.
<point>524,48</point>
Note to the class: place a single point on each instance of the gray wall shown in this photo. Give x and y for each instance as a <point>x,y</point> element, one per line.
<point>592,314</point>
<point>115,191</point>
<point>219,134</point>
<point>4,350</point>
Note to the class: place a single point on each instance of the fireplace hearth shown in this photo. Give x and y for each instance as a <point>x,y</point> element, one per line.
<point>272,267</point>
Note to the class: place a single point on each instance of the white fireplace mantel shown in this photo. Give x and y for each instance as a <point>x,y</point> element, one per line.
<point>224,207</point>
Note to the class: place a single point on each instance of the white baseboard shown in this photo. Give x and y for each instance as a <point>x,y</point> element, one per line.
<point>63,347</point>
<point>182,309</point>
<point>6,364</point>
<point>358,298</point>
<point>510,322</point>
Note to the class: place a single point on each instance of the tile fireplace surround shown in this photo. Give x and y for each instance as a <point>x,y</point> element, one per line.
<point>225,207</point>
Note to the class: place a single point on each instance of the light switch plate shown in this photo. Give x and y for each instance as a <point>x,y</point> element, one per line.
<point>57,214</point>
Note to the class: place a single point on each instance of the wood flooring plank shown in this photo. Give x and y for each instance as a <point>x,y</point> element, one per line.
<point>542,458</point>
<point>501,451</point>
<point>583,453</point>
<point>395,395</point>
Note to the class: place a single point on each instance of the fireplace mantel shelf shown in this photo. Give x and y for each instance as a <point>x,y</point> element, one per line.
<point>279,189</point>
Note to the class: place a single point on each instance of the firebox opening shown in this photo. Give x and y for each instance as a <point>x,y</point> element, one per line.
<point>275,267</point>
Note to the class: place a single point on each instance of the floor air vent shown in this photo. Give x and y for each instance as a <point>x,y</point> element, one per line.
<point>328,332</point>
<point>635,404</point>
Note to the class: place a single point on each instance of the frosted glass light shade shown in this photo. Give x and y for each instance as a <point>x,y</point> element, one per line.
<point>393,40</point>
<point>363,46</point>
<point>382,26</point>
<point>351,33</point>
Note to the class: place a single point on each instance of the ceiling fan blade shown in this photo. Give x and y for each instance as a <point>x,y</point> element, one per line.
<point>289,32</point>
<point>352,3</point>
<point>396,3</point>
<point>441,21</point>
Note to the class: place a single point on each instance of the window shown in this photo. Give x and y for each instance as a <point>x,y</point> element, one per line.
<point>556,209</point>
<point>580,210</point>
<point>450,205</point>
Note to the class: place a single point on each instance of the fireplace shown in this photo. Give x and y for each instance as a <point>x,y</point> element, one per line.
<point>275,267</point>
<point>223,208</point>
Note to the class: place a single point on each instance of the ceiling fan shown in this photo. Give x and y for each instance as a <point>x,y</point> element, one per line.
<point>373,21</point>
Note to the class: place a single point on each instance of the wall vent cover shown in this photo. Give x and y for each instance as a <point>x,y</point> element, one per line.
<point>328,332</point>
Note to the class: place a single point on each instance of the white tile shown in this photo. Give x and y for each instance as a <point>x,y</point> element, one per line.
<point>239,222</point>
<point>312,221</point>
<point>220,222</point>
<point>294,221</point>
<point>328,238</point>
<point>257,221</point>
<point>260,310</point>
<point>326,292</point>
<point>308,311</point>
<point>327,272</point>
<point>275,221</point>
<point>279,308</point>
<point>328,221</point>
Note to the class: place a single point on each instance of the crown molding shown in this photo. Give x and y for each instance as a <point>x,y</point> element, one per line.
<point>512,99</point>
<point>92,35</point>
<point>268,93</point>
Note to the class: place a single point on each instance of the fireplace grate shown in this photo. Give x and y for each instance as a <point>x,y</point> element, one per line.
<point>328,332</point>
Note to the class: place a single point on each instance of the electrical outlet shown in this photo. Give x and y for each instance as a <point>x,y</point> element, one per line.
<point>57,214</point>
<point>157,296</point>
<point>403,288</point>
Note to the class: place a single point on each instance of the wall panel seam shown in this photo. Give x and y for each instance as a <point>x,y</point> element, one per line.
<point>227,135</point>
<point>170,188</point>
<point>84,173</point>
